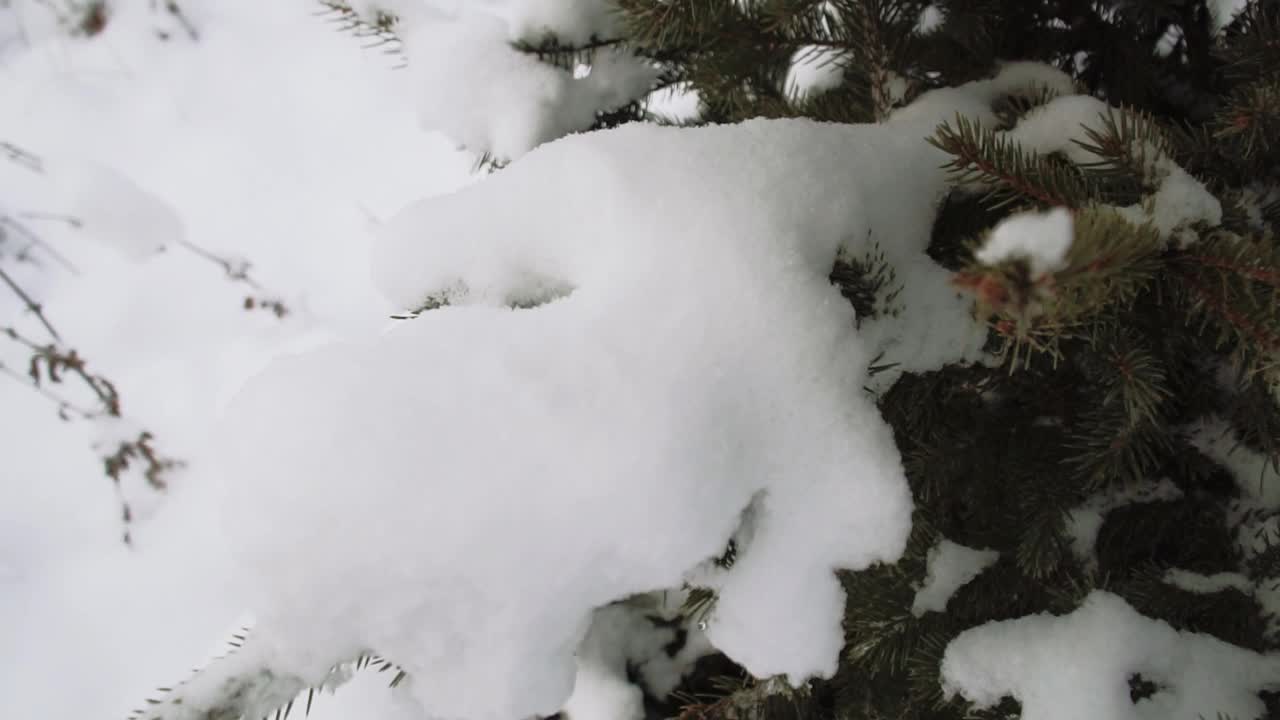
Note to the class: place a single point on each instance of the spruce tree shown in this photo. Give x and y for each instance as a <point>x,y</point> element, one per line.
<point>1128,384</point>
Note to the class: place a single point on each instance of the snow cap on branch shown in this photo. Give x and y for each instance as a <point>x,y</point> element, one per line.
<point>1042,239</point>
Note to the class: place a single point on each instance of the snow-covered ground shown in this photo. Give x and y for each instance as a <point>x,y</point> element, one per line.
<point>271,138</point>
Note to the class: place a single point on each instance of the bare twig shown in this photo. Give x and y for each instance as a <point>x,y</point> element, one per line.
<point>31,161</point>
<point>57,361</point>
<point>52,363</point>
<point>32,306</point>
<point>175,11</point>
<point>238,271</point>
<point>65,407</point>
<point>34,239</point>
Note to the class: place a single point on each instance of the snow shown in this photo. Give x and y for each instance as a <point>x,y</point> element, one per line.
<point>117,211</point>
<point>1253,516</point>
<point>1199,583</point>
<point>1255,474</point>
<point>1084,522</point>
<point>690,360</point>
<point>1078,665</point>
<point>1179,201</point>
<point>931,18</point>
<point>631,638</point>
<point>674,104</point>
<point>814,70</point>
<point>95,199</point>
<point>950,567</point>
<point>570,21</point>
<point>473,86</point>
<point>1223,12</point>
<point>1042,239</point>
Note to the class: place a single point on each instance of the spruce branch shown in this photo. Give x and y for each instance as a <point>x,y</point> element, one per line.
<point>1109,264</point>
<point>1012,174</point>
<point>868,282</point>
<point>1234,285</point>
<point>1109,449</point>
<point>566,56</point>
<point>886,32</point>
<point>1251,46</point>
<point>375,33</point>
<point>237,685</point>
<point>1127,144</point>
<point>1249,123</point>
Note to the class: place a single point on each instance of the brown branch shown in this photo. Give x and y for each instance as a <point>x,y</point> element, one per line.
<point>238,271</point>
<point>1219,305</point>
<point>1017,183</point>
<point>64,405</point>
<point>1270,277</point>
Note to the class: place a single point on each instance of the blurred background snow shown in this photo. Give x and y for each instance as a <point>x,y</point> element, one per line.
<point>268,137</point>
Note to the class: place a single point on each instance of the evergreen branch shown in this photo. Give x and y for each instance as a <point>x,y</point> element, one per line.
<point>1249,123</point>
<point>1110,448</point>
<point>1127,144</point>
<point>1236,283</point>
<point>1109,264</point>
<point>238,686</point>
<point>1129,376</point>
<point>1251,45</point>
<point>379,29</point>
<point>869,283</point>
<point>1267,275</point>
<point>1233,321</point>
<point>982,155</point>
<point>565,56</point>
<point>887,46</point>
<point>1042,545</point>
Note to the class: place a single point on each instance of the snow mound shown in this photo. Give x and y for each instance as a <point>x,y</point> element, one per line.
<point>951,567</point>
<point>460,494</point>
<point>1079,665</point>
